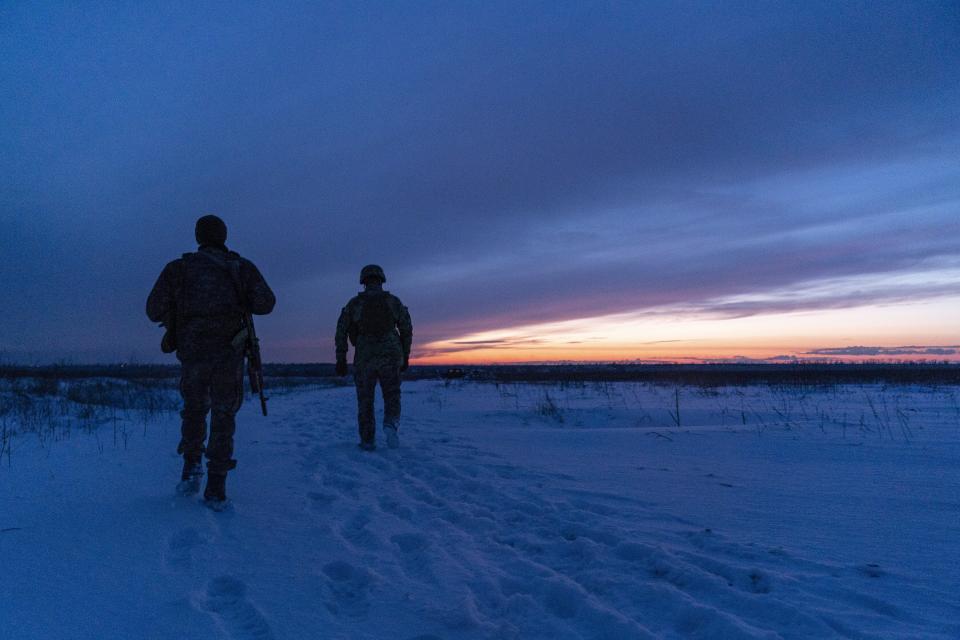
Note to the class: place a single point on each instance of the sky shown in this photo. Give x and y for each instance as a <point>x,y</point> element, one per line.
<point>555,181</point>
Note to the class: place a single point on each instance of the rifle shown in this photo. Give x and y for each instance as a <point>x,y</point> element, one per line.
<point>254,363</point>
<point>247,338</point>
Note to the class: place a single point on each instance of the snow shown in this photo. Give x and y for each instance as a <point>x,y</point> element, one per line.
<point>510,511</point>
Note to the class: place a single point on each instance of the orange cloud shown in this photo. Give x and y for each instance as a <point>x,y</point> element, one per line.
<point>680,336</point>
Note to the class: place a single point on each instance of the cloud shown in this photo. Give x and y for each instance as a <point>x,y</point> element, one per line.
<point>506,164</point>
<point>887,351</point>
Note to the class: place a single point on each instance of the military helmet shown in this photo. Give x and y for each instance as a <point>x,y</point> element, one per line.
<point>372,271</point>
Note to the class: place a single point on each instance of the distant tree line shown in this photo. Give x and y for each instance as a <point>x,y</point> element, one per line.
<point>691,374</point>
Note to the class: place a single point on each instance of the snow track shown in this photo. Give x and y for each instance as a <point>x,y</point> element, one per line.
<point>467,531</point>
<point>477,545</point>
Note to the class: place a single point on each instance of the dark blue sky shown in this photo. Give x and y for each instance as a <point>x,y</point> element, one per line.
<point>507,163</point>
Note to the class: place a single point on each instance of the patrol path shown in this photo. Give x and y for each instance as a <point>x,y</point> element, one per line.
<point>495,519</point>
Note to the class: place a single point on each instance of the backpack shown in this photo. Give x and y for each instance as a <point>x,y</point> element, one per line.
<point>169,342</point>
<point>376,317</point>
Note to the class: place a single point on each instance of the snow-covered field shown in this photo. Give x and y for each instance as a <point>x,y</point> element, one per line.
<point>511,511</point>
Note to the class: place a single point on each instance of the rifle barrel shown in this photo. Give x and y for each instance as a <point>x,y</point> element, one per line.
<point>254,363</point>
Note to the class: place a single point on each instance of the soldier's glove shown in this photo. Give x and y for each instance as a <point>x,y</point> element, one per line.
<point>341,368</point>
<point>406,364</point>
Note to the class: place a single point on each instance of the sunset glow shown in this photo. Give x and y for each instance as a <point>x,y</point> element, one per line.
<point>903,331</point>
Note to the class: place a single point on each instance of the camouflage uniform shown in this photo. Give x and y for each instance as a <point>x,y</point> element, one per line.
<point>376,357</point>
<point>198,294</point>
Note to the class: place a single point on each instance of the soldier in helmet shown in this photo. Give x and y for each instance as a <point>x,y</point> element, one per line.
<point>201,298</point>
<point>379,327</point>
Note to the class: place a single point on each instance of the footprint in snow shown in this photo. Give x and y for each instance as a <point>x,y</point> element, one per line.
<point>320,499</point>
<point>226,600</point>
<point>395,507</point>
<point>415,556</point>
<point>871,570</point>
<point>410,542</point>
<point>180,547</point>
<point>343,485</point>
<point>356,534</point>
<point>571,532</point>
<point>348,588</point>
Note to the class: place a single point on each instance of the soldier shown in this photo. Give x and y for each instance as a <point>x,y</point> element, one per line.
<point>201,299</point>
<point>379,328</point>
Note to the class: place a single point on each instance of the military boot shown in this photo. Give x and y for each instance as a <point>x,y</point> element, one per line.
<point>393,440</point>
<point>215,495</point>
<point>190,477</point>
